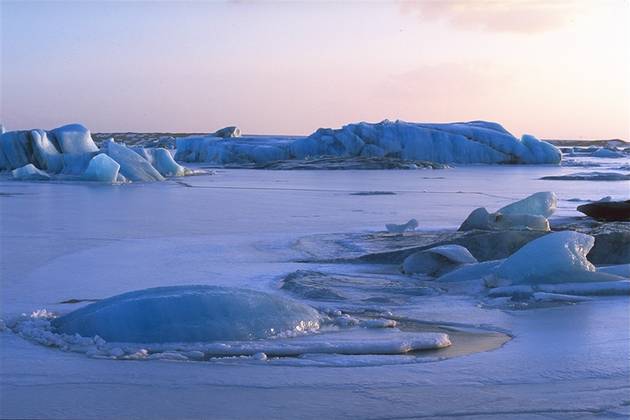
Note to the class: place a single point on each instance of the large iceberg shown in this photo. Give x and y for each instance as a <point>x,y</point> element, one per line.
<point>190,314</point>
<point>469,142</point>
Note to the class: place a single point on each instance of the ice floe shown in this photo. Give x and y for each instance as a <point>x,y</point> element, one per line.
<point>589,176</point>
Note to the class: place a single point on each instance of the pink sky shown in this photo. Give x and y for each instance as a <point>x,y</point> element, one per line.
<point>555,69</point>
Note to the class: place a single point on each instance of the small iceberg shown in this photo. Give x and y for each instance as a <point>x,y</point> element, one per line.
<point>405,227</point>
<point>438,260</point>
<point>190,314</point>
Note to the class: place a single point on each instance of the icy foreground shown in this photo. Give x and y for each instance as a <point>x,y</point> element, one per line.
<point>471,142</point>
<point>69,152</point>
<point>153,238</point>
<point>190,314</point>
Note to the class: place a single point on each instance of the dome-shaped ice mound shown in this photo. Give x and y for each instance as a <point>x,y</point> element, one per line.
<point>189,314</point>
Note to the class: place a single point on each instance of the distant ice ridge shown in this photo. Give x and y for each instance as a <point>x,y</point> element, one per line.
<point>466,142</point>
<point>70,151</point>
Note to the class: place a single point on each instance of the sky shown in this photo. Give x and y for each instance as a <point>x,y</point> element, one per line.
<point>555,69</point>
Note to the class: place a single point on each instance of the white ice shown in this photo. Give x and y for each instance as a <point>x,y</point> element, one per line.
<point>540,204</point>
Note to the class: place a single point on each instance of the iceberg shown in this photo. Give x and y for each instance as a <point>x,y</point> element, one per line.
<point>190,314</point>
<point>538,204</point>
<point>30,173</point>
<point>607,153</point>
<point>463,142</point>
<point>102,168</point>
<point>558,257</point>
<point>132,166</point>
<point>15,149</point>
<point>438,260</point>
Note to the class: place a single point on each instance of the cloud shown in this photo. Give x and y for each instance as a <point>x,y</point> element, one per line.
<point>519,16</point>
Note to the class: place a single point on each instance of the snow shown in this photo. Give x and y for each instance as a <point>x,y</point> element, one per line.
<point>30,172</point>
<point>132,166</point>
<point>102,168</point>
<point>409,226</point>
<point>540,204</point>
<point>472,142</point>
<point>189,314</point>
<point>438,260</point>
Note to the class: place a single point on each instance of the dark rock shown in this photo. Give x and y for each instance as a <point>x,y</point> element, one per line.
<point>612,211</point>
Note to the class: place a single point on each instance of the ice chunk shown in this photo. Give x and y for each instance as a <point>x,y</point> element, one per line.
<point>469,272</point>
<point>589,176</point>
<point>606,153</point>
<point>437,261</point>
<point>538,204</point>
<point>164,163</point>
<point>190,314</point>
<point>481,219</point>
<point>74,139</point>
<point>102,168</point>
<point>555,258</point>
<point>226,132</point>
<point>409,226</point>
<point>132,165</point>
<point>29,173</point>
<point>46,154</point>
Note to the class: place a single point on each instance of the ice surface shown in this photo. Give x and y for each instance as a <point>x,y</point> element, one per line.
<point>538,204</point>
<point>437,261</point>
<point>102,168</point>
<point>132,165</point>
<point>74,139</point>
<point>555,258</point>
<point>410,225</point>
<point>190,314</point>
<point>472,142</point>
<point>589,176</point>
<point>30,172</point>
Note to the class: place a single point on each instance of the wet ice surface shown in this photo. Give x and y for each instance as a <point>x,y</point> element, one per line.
<point>251,229</point>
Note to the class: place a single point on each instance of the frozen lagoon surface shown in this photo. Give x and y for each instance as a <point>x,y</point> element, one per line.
<point>238,228</point>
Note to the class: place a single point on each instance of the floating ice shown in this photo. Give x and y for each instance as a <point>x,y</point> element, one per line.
<point>132,166</point>
<point>409,226</point>
<point>29,173</point>
<point>606,153</point>
<point>472,142</point>
<point>102,168</point>
<point>189,314</point>
<point>14,149</point>
<point>164,163</point>
<point>538,204</point>
<point>589,176</point>
<point>437,261</point>
<point>558,257</point>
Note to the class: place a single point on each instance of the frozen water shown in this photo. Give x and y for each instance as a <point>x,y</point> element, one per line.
<point>74,139</point>
<point>14,149</point>
<point>30,172</point>
<point>190,314</point>
<point>554,258</point>
<point>164,163</point>
<point>481,219</point>
<point>539,204</point>
<point>47,156</point>
<point>102,168</point>
<point>472,142</point>
<point>438,260</point>
<point>410,225</point>
<point>589,176</point>
<point>607,153</point>
<point>132,165</point>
